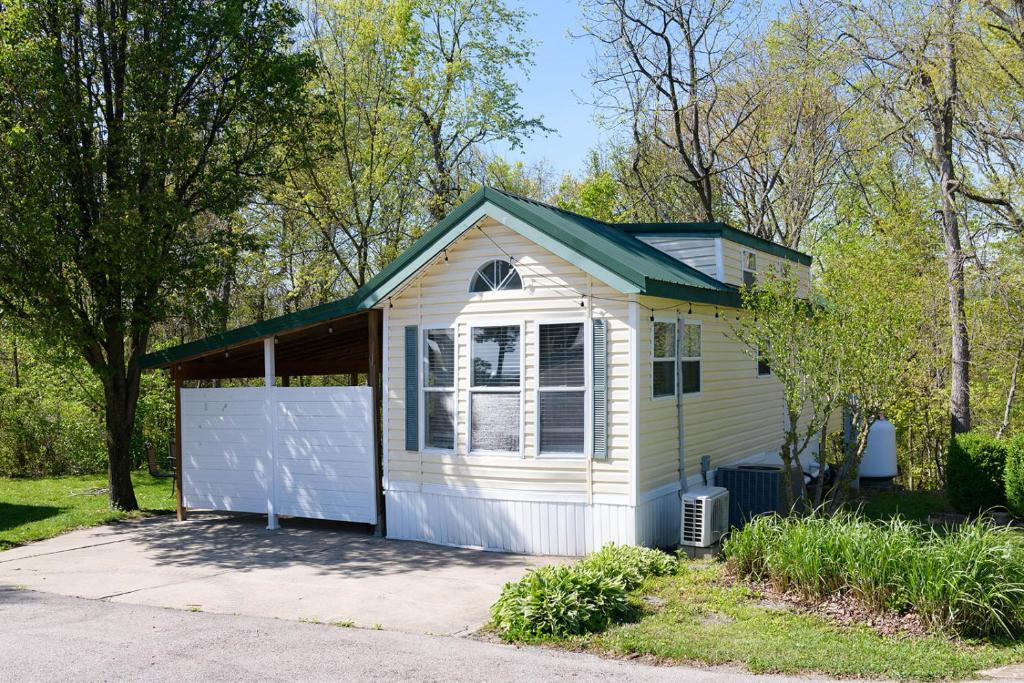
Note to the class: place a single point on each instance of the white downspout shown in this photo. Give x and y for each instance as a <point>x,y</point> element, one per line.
<point>679,402</point>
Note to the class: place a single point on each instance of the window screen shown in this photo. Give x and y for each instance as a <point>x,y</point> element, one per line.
<point>690,357</point>
<point>439,389</point>
<point>562,392</point>
<point>495,389</point>
<point>495,418</point>
<point>664,363</point>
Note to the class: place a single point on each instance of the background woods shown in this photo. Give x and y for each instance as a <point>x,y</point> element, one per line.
<point>293,150</point>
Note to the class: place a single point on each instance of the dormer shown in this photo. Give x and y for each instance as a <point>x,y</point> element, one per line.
<point>721,251</point>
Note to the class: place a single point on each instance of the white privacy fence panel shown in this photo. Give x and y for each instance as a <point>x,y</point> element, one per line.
<point>225,463</point>
<point>324,453</point>
<point>307,451</point>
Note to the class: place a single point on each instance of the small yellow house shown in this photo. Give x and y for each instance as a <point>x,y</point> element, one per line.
<point>544,383</point>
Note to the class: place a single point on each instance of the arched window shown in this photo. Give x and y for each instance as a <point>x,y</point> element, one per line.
<point>494,276</point>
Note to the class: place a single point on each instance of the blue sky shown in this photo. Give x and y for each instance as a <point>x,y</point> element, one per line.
<point>558,88</point>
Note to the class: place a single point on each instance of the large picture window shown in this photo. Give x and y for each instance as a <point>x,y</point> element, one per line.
<point>495,389</point>
<point>562,387</point>
<point>439,389</point>
<point>690,358</point>
<point>664,363</point>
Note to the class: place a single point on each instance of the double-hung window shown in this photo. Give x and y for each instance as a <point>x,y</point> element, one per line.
<point>562,387</point>
<point>748,266</point>
<point>495,390</point>
<point>664,359</point>
<point>690,358</point>
<point>439,388</point>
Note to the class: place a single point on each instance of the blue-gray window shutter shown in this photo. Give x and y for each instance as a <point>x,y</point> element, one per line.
<point>412,393</point>
<point>600,388</point>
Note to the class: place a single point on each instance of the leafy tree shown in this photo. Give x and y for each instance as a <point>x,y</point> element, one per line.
<point>794,336</point>
<point>460,89</point>
<point>787,159</point>
<point>913,55</point>
<point>124,122</point>
<point>532,180</point>
<point>597,195</point>
<point>870,326</point>
<point>354,161</point>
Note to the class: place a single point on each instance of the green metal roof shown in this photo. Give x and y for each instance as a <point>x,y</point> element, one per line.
<point>611,253</point>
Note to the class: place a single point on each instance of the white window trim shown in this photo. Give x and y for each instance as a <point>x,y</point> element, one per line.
<point>743,264</point>
<point>700,324</point>
<point>470,451</point>
<point>424,390</point>
<point>588,387</point>
<point>674,359</point>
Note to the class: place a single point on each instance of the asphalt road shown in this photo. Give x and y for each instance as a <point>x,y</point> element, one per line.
<point>46,637</point>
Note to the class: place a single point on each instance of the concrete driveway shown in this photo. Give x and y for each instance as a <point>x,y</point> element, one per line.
<point>305,571</point>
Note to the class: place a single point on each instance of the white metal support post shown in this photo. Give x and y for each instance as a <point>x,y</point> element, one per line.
<point>269,375</point>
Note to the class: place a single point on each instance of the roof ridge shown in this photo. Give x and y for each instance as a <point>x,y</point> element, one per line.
<point>547,205</point>
<point>627,228</point>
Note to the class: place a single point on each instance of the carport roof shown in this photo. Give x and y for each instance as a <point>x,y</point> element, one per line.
<point>611,253</point>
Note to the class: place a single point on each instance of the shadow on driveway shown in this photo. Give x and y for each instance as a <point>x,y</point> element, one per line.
<point>242,543</point>
<point>307,570</point>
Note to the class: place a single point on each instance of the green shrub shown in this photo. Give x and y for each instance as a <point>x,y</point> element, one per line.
<point>578,598</point>
<point>1014,475</point>
<point>630,563</point>
<point>560,600</point>
<point>969,580</point>
<point>974,472</point>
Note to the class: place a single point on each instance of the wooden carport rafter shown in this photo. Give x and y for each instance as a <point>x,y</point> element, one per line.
<point>349,344</point>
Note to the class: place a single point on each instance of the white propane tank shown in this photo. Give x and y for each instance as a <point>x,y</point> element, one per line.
<point>880,455</point>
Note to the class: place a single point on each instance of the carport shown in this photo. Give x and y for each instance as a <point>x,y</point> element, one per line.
<point>277,448</point>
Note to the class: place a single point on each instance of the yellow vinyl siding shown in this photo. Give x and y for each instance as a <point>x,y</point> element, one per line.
<point>737,414</point>
<point>438,296</point>
<point>766,262</point>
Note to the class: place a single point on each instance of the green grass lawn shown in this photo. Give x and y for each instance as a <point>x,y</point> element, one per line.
<point>705,619</point>
<point>34,509</point>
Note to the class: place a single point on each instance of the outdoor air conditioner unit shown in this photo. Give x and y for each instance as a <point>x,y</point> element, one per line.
<point>705,516</point>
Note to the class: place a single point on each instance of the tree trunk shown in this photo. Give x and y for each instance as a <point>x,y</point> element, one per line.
<point>14,362</point>
<point>853,453</point>
<point>1011,395</point>
<point>960,392</point>
<point>943,123</point>
<point>121,391</point>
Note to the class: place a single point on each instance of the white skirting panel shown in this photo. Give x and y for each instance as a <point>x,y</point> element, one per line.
<point>519,526</point>
<point>657,519</point>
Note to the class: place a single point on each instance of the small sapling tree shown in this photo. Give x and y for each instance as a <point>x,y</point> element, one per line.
<point>792,335</point>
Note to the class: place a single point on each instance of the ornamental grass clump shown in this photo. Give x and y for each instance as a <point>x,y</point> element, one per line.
<point>968,580</point>
<point>574,599</point>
